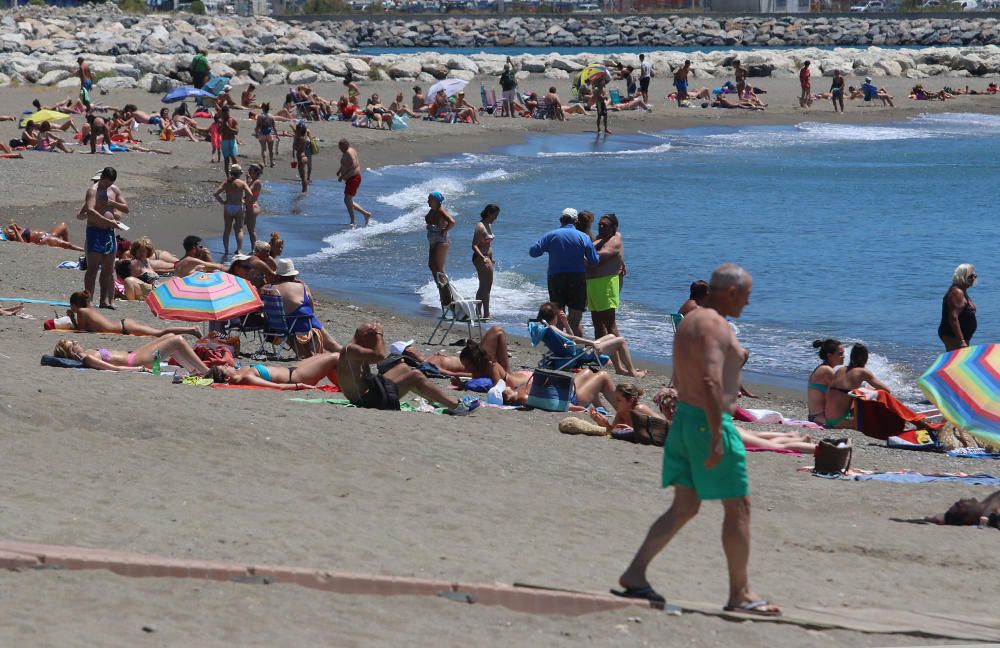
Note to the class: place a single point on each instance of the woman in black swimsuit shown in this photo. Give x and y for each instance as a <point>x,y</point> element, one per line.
<point>958,312</point>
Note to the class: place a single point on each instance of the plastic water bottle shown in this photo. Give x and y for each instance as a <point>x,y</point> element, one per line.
<point>156,362</point>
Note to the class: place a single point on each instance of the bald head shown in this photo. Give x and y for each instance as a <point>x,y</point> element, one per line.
<point>729,289</point>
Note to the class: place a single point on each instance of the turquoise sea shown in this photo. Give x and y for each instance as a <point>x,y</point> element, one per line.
<point>849,231</point>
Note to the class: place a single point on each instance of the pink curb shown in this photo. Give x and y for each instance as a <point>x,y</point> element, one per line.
<point>20,555</point>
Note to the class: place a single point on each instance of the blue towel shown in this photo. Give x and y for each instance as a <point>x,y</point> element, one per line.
<point>972,453</point>
<point>916,478</point>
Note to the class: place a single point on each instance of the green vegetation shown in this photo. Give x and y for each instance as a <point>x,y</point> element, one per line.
<point>313,7</point>
<point>37,3</point>
<point>373,71</point>
<point>198,7</point>
<point>132,6</point>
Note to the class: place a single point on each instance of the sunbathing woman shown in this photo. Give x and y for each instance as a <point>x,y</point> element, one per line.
<point>58,236</point>
<point>89,319</point>
<point>831,352</point>
<point>609,344</point>
<point>970,511</point>
<point>145,265</point>
<point>839,405</point>
<point>305,375</point>
<point>169,346</point>
<point>494,344</point>
<point>128,287</point>
<point>633,421</point>
<point>399,106</point>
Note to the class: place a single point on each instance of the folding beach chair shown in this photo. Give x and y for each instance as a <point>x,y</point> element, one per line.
<point>249,327</point>
<point>615,97</point>
<point>563,354</point>
<point>280,328</point>
<point>455,309</point>
<point>490,105</point>
<point>675,321</point>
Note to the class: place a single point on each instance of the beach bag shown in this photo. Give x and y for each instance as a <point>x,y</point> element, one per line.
<point>833,456</point>
<point>550,390</point>
<point>314,145</point>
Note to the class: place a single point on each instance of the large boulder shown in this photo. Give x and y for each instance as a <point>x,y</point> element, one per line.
<point>358,67</point>
<point>436,70</point>
<point>404,69</point>
<point>52,77</point>
<point>557,73</point>
<point>257,72</point>
<point>302,76</point>
<point>565,64</point>
<point>116,83</point>
<point>462,63</point>
<point>157,83</point>
<point>533,65</point>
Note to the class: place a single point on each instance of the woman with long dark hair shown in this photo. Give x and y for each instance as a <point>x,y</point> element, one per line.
<point>482,256</point>
<point>831,352</point>
<point>839,404</point>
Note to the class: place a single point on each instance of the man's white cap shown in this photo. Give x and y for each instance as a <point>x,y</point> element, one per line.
<point>569,211</point>
<point>97,177</point>
<point>397,348</point>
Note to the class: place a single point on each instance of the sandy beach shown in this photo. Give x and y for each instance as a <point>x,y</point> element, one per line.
<point>132,462</point>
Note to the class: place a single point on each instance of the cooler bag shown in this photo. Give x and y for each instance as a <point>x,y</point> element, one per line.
<point>550,390</point>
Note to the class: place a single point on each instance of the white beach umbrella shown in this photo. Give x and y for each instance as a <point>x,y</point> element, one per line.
<point>450,87</point>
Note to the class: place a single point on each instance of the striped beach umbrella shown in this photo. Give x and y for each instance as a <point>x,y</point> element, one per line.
<point>203,297</point>
<point>965,385</point>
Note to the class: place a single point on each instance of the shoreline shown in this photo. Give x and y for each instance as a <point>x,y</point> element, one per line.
<point>182,203</point>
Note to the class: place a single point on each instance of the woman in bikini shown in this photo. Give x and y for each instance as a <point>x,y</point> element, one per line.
<point>251,203</point>
<point>831,352</point>
<point>236,193</point>
<point>169,346</point>
<point>399,106</point>
<point>633,421</point>
<point>264,131</point>
<point>482,256</point>
<point>493,344</point>
<point>89,319</point>
<point>305,375</point>
<point>58,236</point>
<point>182,126</point>
<point>145,266</point>
<point>302,154</point>
<point>439,222</point>
<point>839,404</point>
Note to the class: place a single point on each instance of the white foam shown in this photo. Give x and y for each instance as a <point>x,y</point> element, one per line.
<point>971,122</point>
<point>495,175</point>
<point>513,297</point>
<point>653,150</point>
<point>415,195</point>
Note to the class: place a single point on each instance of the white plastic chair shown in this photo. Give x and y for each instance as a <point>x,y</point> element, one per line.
<point>455,309</point>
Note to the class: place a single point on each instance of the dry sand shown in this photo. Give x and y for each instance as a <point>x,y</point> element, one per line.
<point>131,462</point>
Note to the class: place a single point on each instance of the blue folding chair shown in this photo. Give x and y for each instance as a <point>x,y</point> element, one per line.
<point>283,328</point>
<point>563,354</point>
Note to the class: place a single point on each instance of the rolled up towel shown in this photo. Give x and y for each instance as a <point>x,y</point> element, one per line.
<point>574,425</point>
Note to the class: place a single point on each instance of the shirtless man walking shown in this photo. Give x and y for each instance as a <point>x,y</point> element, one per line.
<point>350,174</point>
<point>100,208</point>
<point>366,386</point>
<point>704,458</point>
<point>681,82</point>
<point>740,74</point>
<point>229,129</point>
<point>86,81</point>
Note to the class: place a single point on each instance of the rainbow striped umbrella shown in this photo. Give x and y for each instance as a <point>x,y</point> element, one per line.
<point>965,385</point>
<point>203,297</point>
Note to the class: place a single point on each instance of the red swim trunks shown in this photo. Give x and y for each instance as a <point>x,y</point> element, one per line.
<point>351,185</point>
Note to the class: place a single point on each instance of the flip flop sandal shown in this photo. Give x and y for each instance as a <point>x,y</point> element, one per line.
<point>753,608</point>
<point>643,593</point>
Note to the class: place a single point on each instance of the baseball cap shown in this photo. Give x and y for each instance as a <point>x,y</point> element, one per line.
<point>569,212</point>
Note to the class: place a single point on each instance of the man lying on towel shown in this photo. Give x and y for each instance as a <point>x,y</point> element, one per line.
<point>970,511</point>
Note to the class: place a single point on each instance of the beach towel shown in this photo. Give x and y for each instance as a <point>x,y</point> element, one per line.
<point>343,402</point>
<point>35,301</point>
<point>880,415</point>
<point>914,440</point>
<point>64,363</point>
<point>69,265</point>
<point>918,478</point>
<point>972,453</point>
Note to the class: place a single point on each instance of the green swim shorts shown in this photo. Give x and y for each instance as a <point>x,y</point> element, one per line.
<point>602,293</point>
<point>686,449</point>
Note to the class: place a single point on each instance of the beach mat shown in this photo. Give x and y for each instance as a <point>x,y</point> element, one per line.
<point>868,620</point>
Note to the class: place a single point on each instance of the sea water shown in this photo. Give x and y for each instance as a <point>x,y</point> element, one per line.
<point>850,231</point>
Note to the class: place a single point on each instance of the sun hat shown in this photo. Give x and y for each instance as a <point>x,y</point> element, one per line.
<point>397,348</point>
<point>570,213</point>
<point>868,79</point>
<point>235,168</point>
<point>437,195</point>
<point>285,268</point>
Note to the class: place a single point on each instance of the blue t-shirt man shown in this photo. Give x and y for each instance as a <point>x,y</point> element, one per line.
<point>569,251</point>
